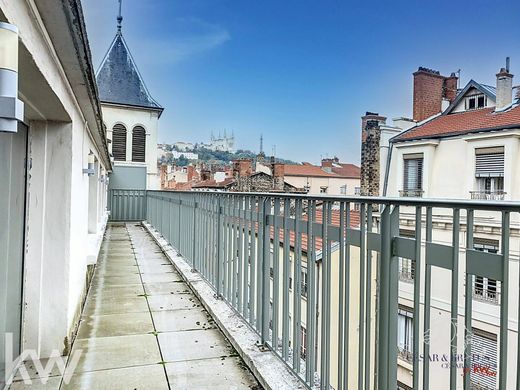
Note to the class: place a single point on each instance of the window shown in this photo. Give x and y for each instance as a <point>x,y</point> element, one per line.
<point>119,142</point>
<point>357,190</point>
<point>484,360</point>
<point>476,101</point>
<point>413,172</point>
<point>303,342</point>
<point>489,173</point>
<point>343,190</point>
<point>402,386</point>
<point>304,285</point>
<point>485,289</point>
<point>323,190</point>
<point>138,144</point>
<point>406,266</point>
<point>405,333</point>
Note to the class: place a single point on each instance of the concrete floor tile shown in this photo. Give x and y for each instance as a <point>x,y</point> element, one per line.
<point>134,378</point>
<point>116,269</point>
<point>115,305</point>
<point>117,279</point>
<point>52,383</point>
<point>223,374</point>
<point>101,353</point>
<point>179,320</point>
<point>194,344</point>
<point>173,302</point>
<point>156,268</point>
<point>115,325</point>
<point>167,288</point>
<point>116,291</point>
<point>33,372</point>
<point>161,277</point>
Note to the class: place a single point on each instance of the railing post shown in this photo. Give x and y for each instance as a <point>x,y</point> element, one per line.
<point>193,259</point>
<point>265,271</point>
<point>219,248</point>
<point>388,306</point>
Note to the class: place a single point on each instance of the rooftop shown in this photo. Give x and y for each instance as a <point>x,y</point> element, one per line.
<point>484,119</point>
<point>119,80</point>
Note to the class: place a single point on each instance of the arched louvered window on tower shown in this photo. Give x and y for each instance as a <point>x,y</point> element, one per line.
<point>119,142</point>
<point>138,144</point>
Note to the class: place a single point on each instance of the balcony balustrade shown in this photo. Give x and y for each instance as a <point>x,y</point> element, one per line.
<point>417,193</point>
<point>488,195</point>
<point>347,320</point>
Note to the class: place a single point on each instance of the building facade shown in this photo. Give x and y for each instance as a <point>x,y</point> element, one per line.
<point>459,146</point>
<point>53,171</point>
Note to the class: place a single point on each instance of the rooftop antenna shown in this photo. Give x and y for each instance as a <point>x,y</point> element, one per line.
<point>119,18</point>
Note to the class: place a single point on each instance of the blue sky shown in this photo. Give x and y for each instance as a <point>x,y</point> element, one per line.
<point>300,72</point>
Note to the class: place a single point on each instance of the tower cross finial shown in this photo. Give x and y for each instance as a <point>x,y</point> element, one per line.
<point>119,18</point>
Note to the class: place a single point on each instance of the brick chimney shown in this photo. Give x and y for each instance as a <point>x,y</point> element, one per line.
<point>370,158</point>
<point>242,170</point>
<point>278,170</point>
<point>430,88</point>
<point>164,175</point>
<point>370,116</point>
<point>191,172</point>
<point>205,174</point>
<point>504,87</point>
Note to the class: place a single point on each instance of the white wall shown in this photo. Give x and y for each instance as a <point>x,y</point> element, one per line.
<point>60,138</point>
<point>449,164</point>
<point>131,117</point>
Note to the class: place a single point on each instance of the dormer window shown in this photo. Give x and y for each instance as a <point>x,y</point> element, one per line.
<point>476,101</point>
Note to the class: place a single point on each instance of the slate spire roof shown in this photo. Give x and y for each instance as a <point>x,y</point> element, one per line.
<point>119,80</point>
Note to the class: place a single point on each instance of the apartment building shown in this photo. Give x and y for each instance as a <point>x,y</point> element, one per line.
<point>331,178</point>
<point>461,145</point>
<point>54,163</point>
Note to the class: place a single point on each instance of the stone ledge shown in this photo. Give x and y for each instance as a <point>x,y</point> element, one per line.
<point>267,368</point>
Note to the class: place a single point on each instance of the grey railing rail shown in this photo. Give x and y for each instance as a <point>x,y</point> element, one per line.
<point>127,205</point>
<point>318,280</point>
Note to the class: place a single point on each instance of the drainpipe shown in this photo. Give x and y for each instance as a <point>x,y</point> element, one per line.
<point>387,168</point>
<point>11,108</point>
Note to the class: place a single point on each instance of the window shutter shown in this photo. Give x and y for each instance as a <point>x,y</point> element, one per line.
<point>489,162</point>
<point>484,360</point>
<point>413,173</point>
<point>119,142</point>
<point>138,144</point>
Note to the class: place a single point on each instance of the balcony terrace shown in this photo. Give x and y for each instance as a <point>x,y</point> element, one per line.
<point>225,281</point>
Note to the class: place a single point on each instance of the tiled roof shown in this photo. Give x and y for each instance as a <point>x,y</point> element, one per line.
<point>212,183</point>
<point>119,81</point>
<point>347,170</point>
<point>307,170</point>
<point>462,123</point>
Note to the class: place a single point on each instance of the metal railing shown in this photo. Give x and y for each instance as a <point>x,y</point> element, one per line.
<point>347,321</point>
<point>416,193</point>
<point>488,195</point>
<point>127,205</point>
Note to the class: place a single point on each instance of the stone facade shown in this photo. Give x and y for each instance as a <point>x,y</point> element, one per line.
<point>370,158</point>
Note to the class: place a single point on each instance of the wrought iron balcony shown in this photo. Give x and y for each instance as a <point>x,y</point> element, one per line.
<point>416,193</point>
<point>488,195</point>
<point>352,276</point>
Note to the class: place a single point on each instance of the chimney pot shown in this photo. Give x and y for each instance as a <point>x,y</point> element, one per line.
<point>504,88</point>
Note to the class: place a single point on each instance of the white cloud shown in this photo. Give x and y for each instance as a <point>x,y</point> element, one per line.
<point>188,38</point>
